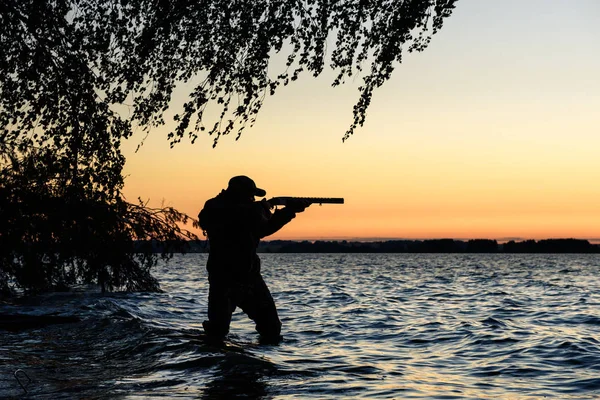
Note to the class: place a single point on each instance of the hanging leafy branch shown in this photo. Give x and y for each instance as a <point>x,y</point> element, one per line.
<point>139,51</point>
<point>228,46</point>
<point>142,50</point>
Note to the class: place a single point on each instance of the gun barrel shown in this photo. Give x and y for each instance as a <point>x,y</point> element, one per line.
<point>283,200</point>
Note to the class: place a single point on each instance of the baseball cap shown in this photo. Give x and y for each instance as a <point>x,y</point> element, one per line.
<point>241,184</point>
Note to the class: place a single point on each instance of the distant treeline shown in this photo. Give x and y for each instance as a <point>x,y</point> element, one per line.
<point>414,246</point>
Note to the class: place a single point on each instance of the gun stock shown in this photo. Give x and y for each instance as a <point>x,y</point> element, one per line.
<point>283,200</point>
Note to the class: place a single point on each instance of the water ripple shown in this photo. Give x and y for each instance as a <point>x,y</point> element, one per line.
<point>355,325</point>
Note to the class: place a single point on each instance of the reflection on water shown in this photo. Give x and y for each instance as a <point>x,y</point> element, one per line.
<point>360,325</point>
<point>237,378</point>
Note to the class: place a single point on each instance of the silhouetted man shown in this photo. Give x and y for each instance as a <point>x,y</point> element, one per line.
<point>234,223</point>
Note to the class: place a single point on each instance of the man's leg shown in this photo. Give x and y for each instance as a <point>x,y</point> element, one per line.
<point>258,304</point>
<point>220,308</point>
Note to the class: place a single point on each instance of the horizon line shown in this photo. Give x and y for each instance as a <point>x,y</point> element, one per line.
<point>384,238</point>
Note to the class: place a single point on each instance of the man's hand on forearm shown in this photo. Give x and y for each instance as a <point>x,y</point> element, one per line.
<point>298,205</point>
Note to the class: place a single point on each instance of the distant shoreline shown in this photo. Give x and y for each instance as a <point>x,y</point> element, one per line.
<point>411,246</point>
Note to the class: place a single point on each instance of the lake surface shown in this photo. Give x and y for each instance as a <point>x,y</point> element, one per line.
<point>374,326</point>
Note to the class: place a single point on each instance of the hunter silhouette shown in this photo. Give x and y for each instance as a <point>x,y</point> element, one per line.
<point>234,223</point>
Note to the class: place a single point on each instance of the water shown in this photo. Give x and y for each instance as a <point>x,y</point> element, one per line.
<point>355,326</point>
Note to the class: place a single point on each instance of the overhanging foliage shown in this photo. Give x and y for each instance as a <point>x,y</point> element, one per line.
<point>137,51</point>
<point>76,77</point>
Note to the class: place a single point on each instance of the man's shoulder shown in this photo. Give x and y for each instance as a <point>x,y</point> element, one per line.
<point>218,204</point>
<point>217,201</point>
<point>212,202</point>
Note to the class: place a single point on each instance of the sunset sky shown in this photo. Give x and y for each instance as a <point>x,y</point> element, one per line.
<point>492,132</point>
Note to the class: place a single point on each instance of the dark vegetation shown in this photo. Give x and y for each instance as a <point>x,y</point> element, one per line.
<point>78,76</point>
<point>419,246</point>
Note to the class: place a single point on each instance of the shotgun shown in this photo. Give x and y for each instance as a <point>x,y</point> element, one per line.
<point>283,200</point>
